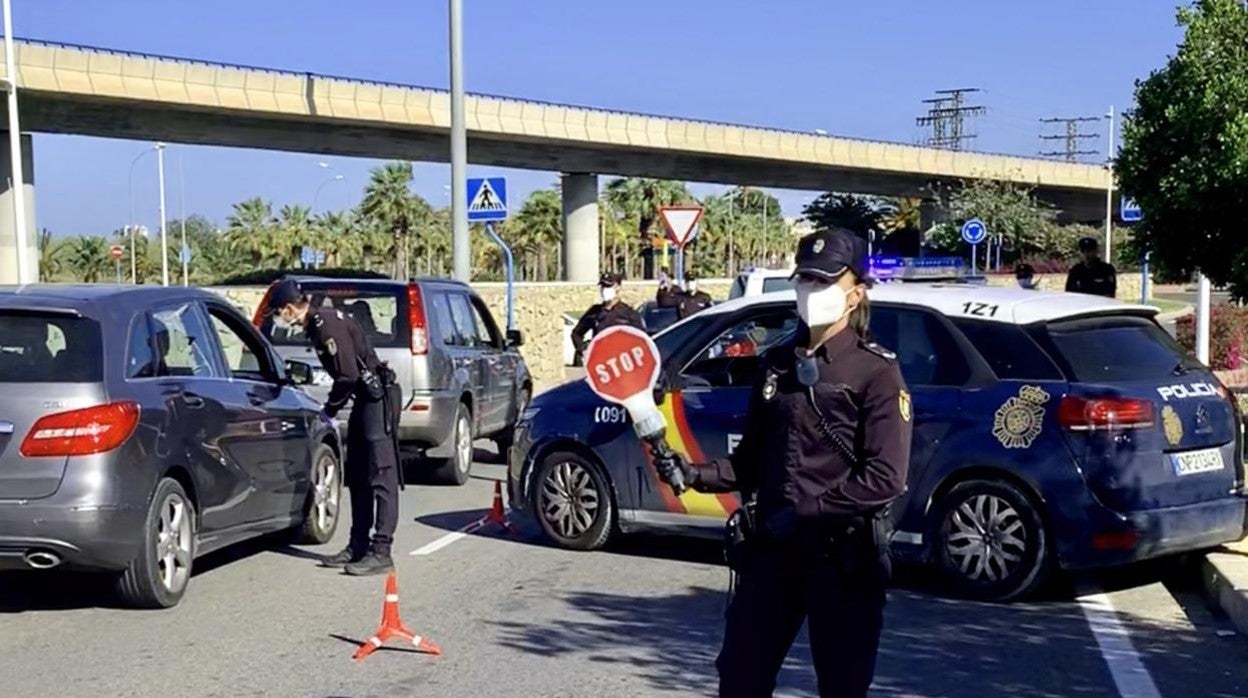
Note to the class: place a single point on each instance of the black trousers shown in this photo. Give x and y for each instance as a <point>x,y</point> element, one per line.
<point>372,476</point>
<point>839,592</point>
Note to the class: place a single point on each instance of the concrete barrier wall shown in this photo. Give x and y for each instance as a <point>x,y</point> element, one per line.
<point>539,307</point>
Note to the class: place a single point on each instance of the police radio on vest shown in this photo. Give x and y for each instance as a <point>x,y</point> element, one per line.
<point>628,361</point>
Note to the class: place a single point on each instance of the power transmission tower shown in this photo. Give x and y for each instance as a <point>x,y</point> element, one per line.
<point>947,117</point>
<point>1072,136</point>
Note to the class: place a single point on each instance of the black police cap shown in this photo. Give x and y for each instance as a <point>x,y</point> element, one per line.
<point>1086,244</point>
<point>610,279</point>
<point>829,253</point>
<point>285,292</point>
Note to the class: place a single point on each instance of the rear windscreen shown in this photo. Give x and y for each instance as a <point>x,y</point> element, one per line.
<point>382,314</point>
<point>1115,349</point>
<point>48,348</point>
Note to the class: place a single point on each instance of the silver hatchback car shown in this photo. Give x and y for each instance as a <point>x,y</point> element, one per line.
<point>142,427</point>
<point>462,378</point>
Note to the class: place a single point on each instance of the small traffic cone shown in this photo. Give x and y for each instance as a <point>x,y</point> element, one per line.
<point>392,626</point>
<point>497,514</point>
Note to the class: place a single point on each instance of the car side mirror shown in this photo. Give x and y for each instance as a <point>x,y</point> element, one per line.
<point>515,338</point>
<point>300,372</point>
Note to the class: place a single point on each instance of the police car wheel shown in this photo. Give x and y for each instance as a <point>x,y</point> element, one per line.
<point>573,502</point>
<point>990,542</point>
<point>320,514</point>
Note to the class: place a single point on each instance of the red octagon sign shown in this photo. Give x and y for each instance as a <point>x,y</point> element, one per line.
<point>622,363</point>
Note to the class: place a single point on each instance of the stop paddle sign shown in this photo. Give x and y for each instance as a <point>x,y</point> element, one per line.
<point>117,252</point>
<point>622,366</point>
<point>622,363</point>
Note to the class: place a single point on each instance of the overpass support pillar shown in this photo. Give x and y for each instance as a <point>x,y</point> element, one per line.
<point>580,227</point>
<point>8,232</point>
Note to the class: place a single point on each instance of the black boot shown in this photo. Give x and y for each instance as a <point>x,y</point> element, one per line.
<point>343,557</point>
<point>372,563</point>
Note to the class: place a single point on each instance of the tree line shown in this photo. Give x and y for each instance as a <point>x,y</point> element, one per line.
<point>396,232</point>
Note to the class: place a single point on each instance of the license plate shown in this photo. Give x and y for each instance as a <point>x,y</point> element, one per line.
<point>1194,462</point>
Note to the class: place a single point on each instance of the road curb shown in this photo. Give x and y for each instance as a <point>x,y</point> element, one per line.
<point>1224,575</point>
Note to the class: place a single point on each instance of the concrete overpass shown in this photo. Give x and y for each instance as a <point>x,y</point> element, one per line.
<point>98,92</point>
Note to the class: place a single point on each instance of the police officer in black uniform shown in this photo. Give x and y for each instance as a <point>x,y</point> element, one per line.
<point>611,311</point>
<point>691,299</point>
<point>826,449</point>
<point>668,295</point>
<point>1093,275</point>
<point>372,467</point>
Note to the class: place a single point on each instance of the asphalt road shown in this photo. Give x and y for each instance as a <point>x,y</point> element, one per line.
<point>516,617</point>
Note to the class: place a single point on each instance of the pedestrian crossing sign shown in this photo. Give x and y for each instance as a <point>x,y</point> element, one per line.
<point>487,199</point>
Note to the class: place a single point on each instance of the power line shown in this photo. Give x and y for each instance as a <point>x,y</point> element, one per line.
<point>947,117</point>
<point>1072,138</point>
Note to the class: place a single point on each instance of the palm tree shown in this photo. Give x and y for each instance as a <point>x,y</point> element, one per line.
<point>296,231</point>
<point>88,257</point>
<point>902,214</point>
<point>389,201</point>
<point>251,231</point>
<point>639,199</point>
<point>537,231</point>
<point>333,233</point>
<point>50,251</point>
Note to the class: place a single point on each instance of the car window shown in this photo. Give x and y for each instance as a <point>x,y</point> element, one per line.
<point>779,283</point>
<point>734,358</point>
<point>181,343</point>
<point>378,311</point>
<point>444,325</point>
<point>1009,351</point>
<point>487,330</point>
<point>926,352</point>
<point>139,353</point>
<point>43,348</point>
<point>1113,349</point>
<point>738,288</point>
<point>463,320</point>
<point>240,352</point>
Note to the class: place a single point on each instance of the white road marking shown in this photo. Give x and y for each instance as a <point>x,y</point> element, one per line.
<point>1125,666</point>
<point>436,545</point>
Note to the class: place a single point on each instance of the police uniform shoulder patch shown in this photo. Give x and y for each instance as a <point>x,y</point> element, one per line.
<point>903,405</point>
<point>331,346</point>
<point>1019,420</point>
<point>769,386</point>
<point>879,351</point>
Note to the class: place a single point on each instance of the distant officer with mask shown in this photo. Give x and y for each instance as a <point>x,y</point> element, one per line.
<point>372,467</point>
<point>611,311</point>
<point>691,299</point>
<point>1092,275</point>
<point>825,450</point>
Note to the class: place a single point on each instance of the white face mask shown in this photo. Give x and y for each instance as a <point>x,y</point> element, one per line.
<point>607,294</point>
<point>820,307</point>
<point>693,287</point>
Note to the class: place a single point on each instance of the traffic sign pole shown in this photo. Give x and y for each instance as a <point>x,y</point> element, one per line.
<point>489,228</point>
<point>974,260</point>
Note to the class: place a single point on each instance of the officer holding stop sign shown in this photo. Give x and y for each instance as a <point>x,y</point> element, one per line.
<point>825,450</point>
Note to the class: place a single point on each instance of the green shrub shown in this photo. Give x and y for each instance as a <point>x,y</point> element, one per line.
<point>1228,335</point>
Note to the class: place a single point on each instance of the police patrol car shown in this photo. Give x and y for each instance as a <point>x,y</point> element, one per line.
<point>1051,430</point>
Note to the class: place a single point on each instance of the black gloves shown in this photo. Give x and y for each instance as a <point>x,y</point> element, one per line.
<point>675,471</point>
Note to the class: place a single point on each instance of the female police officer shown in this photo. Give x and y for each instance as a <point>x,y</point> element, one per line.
<point>826,448</point>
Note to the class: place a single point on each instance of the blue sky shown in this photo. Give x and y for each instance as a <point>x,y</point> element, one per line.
<point>856,69</point>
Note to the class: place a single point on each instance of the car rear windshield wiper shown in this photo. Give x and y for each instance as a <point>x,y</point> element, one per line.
<point>1181,368</point>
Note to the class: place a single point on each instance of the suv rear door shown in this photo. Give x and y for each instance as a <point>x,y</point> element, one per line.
<point>1150,426</point>
<point>50,362</point>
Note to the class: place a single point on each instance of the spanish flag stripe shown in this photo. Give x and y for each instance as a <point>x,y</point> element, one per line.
<point>681,439</point>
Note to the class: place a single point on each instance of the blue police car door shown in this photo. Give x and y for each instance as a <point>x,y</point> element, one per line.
<point>707,412</point>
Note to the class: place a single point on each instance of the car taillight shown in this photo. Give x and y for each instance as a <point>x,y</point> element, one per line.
<point>82,432</point>
<point>1088,414</point>
<point>262,309</point>
<point>416,320</point>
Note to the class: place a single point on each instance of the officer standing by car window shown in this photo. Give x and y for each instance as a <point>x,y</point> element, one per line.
<point>1093,275</point>
<point>826,449</point>
<point>691,299</point>
<point>611,311</point>
<point>372,467</point>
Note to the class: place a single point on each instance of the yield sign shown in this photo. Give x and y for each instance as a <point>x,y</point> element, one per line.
<point>681,223</point>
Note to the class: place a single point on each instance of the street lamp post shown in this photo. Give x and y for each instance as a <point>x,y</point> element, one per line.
<point>1109,189</point>
<point>459,149</point>
<point>183,254</point>
<point>164,238</point>
<point>317,197</point>
<point>18,185</point>
<point>132,228</point>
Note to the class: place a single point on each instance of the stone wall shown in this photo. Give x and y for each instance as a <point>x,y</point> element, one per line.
<point>539,308</point>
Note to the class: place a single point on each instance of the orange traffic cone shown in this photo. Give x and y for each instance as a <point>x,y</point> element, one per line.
<point>497,514</point>
<point>392,627</point>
